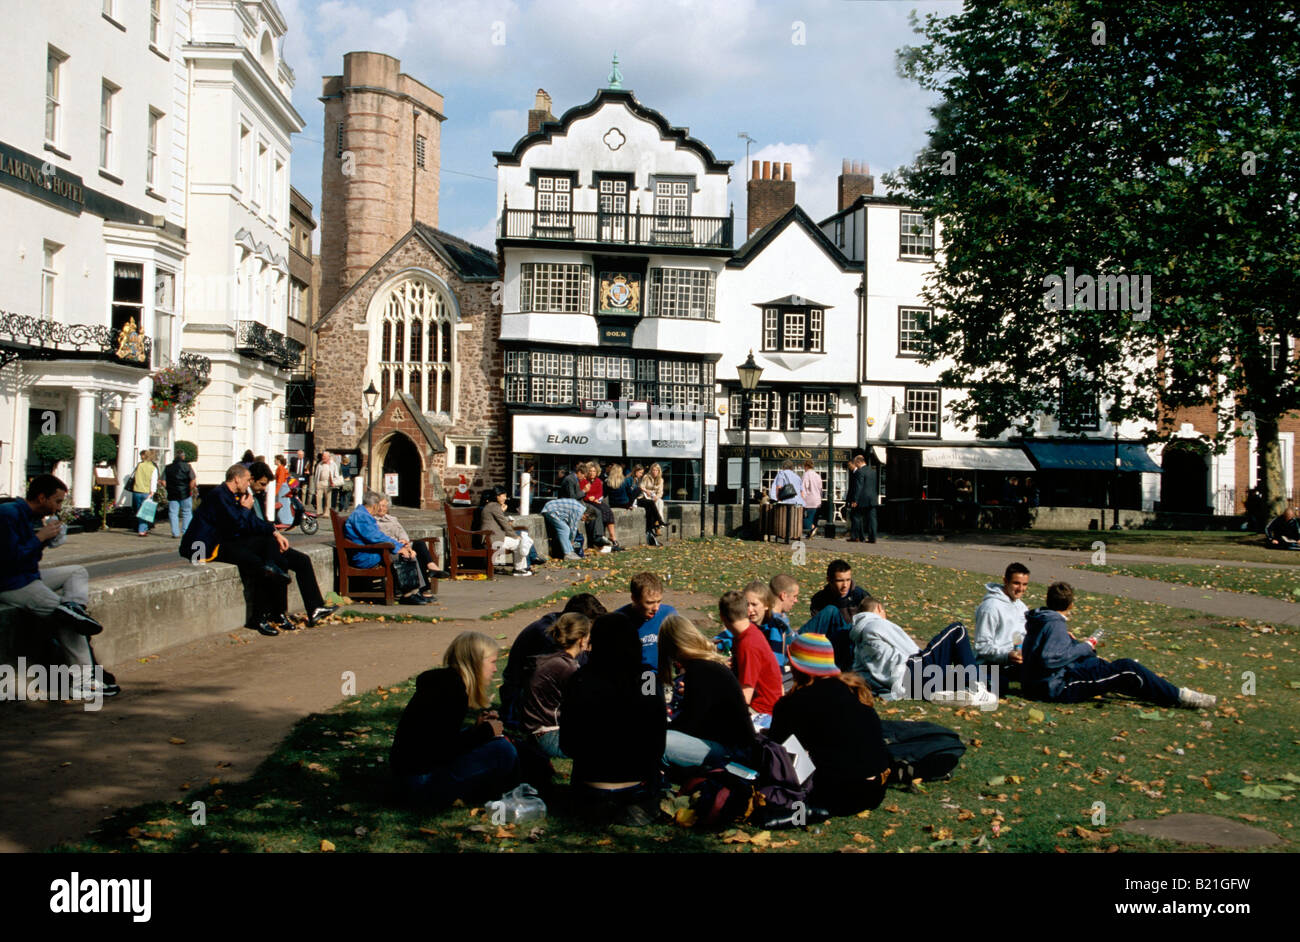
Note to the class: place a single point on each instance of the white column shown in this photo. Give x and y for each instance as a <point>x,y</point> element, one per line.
<point>260,427</point>
<point>84,462</point>
<point>126,438</point>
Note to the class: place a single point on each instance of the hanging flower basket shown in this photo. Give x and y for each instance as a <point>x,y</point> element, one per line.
<point>177,387</point>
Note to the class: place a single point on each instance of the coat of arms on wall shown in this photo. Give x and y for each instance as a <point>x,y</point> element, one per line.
<point>130,343</point>
<point>620,293</point>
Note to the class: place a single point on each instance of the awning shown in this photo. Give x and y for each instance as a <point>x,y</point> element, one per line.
<point>1090,456</point>
<point>976,459</point>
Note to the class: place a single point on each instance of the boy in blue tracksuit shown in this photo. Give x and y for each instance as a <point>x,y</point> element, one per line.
<point>1063,670</point>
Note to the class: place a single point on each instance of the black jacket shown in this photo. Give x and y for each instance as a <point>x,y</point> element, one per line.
<point>532,642</point>
<point>713,706</point>
<point>178,476</point>
<point>1281,527</point>
<point>430,733</point>
<point>827,595</point>
<point>865,490</point>
<point>841,734</point>
<point>219,518</point>
<point>611,729</point>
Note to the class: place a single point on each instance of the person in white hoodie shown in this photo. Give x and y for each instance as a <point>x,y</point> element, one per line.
<point>896,668</point>
<point>1000,623</point>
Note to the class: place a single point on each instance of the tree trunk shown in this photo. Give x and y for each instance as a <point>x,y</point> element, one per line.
<point>1270,471</point>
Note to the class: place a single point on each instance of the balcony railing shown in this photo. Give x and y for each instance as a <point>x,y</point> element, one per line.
<point>696,232</point>
<point>200,365</point>
<point>27,337</point>
<point>256,340</point>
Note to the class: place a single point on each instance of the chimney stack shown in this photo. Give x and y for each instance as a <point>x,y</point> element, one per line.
<point>855,180</point>
<point>770,193</point>
<point>541,111</point>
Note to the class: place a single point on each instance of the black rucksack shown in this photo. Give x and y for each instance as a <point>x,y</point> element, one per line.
<point>919,750</point>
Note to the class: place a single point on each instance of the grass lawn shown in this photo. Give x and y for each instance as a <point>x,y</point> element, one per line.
<point>1278,583</point>
<point>1029,780</point>
<point>1197,544</point>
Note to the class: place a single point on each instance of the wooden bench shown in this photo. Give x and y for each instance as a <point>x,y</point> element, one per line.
<point>464,543</point>
<point>384,571</point>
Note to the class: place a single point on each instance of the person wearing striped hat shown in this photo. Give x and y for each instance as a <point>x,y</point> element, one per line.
<point>832,715</point>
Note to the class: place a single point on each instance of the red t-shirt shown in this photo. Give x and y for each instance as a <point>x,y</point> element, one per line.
<point>755,666</point>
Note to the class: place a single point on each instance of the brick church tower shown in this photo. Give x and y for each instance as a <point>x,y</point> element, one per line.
<point>404,306</point>
<point>380,170</point>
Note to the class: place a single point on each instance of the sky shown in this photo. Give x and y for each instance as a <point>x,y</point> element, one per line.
<point>812,82</point>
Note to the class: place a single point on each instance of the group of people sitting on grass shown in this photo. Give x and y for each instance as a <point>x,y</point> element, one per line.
<point>639,696</point>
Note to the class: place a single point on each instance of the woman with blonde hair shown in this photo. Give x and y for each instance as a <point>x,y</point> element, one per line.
<point>712,724</point>
<point>652,501</point>
<point>144,483</point>
<point>435,759</point>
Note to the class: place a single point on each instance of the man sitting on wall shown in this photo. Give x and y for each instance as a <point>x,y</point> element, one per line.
<point>225,528</point>
<point>60,593</point>
<point>291,560</point>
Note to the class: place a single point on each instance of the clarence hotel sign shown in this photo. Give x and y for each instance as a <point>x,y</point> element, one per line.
<point>28,175</point>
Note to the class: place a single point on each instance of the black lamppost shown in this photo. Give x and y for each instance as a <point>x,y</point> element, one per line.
<point>372,397</point>
<point>1114,487</point>
<point>749,372</point>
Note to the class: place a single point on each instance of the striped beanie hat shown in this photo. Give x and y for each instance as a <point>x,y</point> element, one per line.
<point>813,654</point>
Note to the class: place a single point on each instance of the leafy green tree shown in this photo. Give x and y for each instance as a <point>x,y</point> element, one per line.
<point>105,449</point>
<point>1155,141</point>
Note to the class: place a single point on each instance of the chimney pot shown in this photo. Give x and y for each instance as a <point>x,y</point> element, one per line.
<point>844,167</point>
<point>776,170</point>
<point>754,170</point>
<point>788,174</point>
<point>767,170</point>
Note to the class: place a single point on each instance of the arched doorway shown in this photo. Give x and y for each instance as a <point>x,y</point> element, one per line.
<point>398,455</point>
<point>1185,484</point>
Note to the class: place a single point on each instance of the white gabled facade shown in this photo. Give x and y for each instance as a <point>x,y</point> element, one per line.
<point>902,403</point>
<point>92,169</point>
<point>239,89</point>
<point>614,232</point>
<point>792,298</point>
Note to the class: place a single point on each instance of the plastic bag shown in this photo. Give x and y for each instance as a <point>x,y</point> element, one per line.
<point>517,807</point>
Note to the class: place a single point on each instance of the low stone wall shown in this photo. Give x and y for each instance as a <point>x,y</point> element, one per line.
<point>143,613</point>
<point>1092,518</point>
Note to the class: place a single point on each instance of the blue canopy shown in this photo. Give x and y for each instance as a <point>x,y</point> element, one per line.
<point>1090,456</point>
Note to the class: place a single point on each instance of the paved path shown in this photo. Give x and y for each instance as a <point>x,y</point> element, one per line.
<point>1048,565</point>
<point>231,697</point>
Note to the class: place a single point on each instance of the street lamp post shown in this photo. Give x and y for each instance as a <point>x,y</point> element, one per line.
<point>749,373</point>
<point>372,397</point>
<point>1114,487</point>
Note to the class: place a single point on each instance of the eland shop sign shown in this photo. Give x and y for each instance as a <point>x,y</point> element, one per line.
<point>34,177</point>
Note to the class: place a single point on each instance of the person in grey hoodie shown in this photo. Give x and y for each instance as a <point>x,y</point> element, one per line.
<point>1000,625</point>
<point>1061,669</point>
<point>896,668</point>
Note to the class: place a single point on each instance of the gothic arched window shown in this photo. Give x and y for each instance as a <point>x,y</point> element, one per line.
<point>415,345</point>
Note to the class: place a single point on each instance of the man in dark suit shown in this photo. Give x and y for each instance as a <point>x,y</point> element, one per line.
<point>850,503</point>
<point>226,528</point>
<point>298,464</point>
<point>276,598</point>
<point>869,494</point>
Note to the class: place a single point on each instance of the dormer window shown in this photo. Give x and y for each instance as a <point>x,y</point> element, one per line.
<point>793,325</point>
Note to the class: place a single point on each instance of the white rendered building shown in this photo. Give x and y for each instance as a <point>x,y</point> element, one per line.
<point>92,191</point>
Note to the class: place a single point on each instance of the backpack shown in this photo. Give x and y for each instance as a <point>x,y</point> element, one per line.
<point>919,750</point>
<point>774,798</point>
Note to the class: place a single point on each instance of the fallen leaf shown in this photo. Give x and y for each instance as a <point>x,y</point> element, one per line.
<point>176,741</point>
<point>326,846</point>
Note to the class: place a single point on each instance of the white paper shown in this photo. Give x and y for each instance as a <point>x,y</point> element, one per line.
<point>803,763</point>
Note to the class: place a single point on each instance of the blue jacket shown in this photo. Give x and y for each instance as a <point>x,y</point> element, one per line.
<point>1048,650</point>
<point>624,494</point>
<point>361,527</point>
<point>219,518</point>
<point>775,628</point>
<point>19,547</point>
